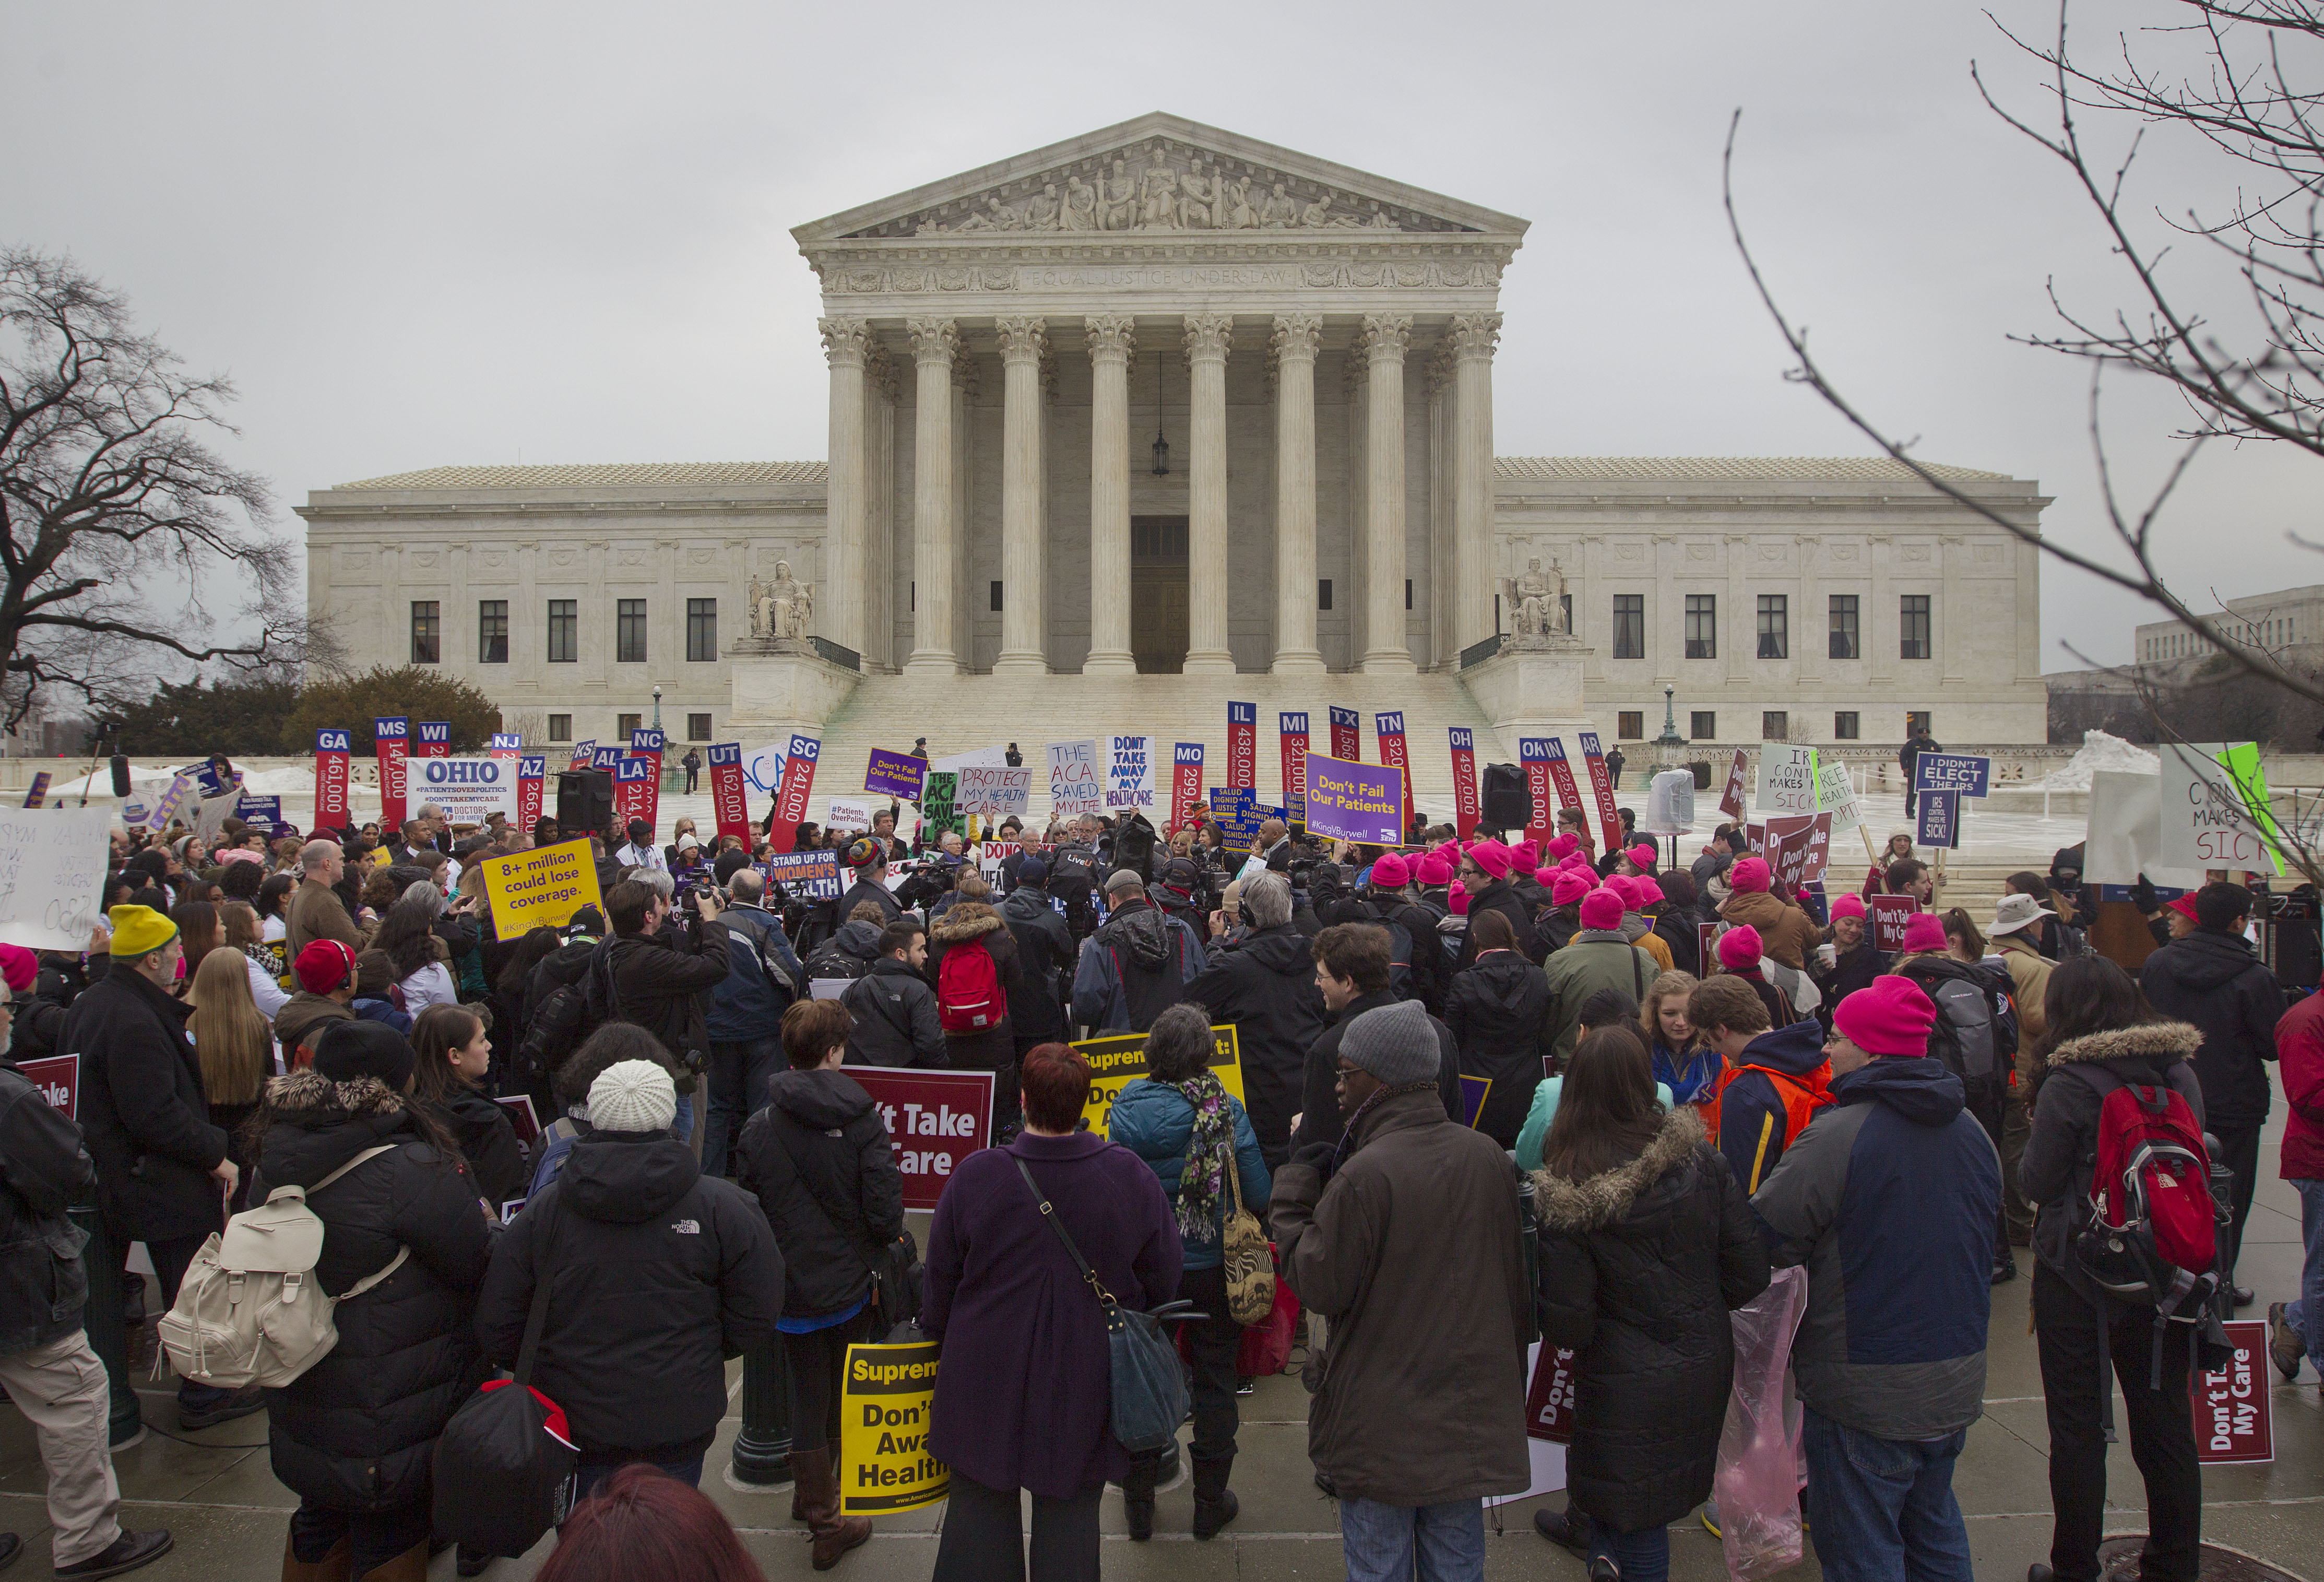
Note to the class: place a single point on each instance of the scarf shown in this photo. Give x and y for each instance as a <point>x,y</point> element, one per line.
<point>1210,1155</point>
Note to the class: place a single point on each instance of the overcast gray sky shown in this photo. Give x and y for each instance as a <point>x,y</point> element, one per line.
<point>439,233</point>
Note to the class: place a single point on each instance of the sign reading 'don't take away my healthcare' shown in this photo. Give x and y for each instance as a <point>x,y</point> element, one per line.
<point>543,887</point>
<point>1355,801</point>
<point>885,1396</point>
<point>1118,1059</point>
<point>936,1119</point>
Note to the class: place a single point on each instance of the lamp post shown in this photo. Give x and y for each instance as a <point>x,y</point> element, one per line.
<point>657,725</point>
<point>763,1450</point>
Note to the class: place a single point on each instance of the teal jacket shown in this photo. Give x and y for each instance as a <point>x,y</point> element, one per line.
<point>1544,1110</point>
<point>1156,1122</point>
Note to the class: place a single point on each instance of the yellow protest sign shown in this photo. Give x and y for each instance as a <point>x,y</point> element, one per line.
<point>1118,1059</point>
<point>539,888</point>
<point>884,1465</point>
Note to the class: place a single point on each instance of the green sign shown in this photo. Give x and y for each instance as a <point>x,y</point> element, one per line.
<point>939,794</point>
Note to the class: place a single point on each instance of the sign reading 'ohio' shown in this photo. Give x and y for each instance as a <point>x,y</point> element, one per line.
<point>466,788</point>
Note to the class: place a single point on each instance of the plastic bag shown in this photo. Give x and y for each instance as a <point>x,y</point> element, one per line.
<point>1757,1483</point>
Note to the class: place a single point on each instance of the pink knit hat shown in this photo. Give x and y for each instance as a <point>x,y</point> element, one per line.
<point>1740,948</point>
<point>236,855</point>
<point>1492,857</point>
<point>1524,856</point>
<point>1545,877</point>
<point>1848,906</point>
<point>1391,871</point>
<point>1457,900</point>
<point>1643,855</point>
<point>1750,874</point>
<point>1563,846</point>
<point>1922,931</point>
<point>1568,887</point>
<point>1601,909</point>
<point>20,967</point>
<point>1434,868</point>
<point>1889,1016</point>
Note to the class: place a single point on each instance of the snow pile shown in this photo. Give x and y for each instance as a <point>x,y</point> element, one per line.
<point>2098,752</point>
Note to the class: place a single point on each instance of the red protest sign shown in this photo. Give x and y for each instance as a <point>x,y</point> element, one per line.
<point>1185,780</point>
<point>58,1080</point>
<point>331,753</point>
<point>1242,746</point>
<point>531,778</point>
<point>1731,800</point>
<point>1706,946</point>
<point>521,1118</point>
<point>2233,1422</point>
<point>1347,734</point>
<point>934,1120</point>
<point>1390,728</point>
<point>729,803</point>
<point>1464,781</point>
<point>1601,788</point>
<point>1550,1398</point>
<point>1798,847</point>
<point>1292,727</point>
<point>1890,914</point>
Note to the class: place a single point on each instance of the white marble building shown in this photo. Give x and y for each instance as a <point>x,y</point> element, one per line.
<point>1317,347</point>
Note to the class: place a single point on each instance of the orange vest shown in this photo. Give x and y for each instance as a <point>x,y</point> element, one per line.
<point>1802,1099</point>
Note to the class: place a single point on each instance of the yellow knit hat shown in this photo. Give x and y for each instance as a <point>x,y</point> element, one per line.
<point>140,930</point>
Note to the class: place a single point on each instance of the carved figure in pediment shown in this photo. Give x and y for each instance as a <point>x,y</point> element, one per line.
<point>1041,210</point>
<point>1080,211</point>
<point>1116,199</point>
<point>1281,211</point>
<point>1378,220</point>
<point>1318,214</point>
<point>1241,215</point>
<point>1157,196</point>
<point>1195,197</point>
<point>995,219</point>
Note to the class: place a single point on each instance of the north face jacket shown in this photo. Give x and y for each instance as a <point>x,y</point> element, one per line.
<point>895,1018</point>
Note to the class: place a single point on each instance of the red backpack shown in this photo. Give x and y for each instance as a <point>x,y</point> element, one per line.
<point>2150,1227</point>
<point>968,989</point>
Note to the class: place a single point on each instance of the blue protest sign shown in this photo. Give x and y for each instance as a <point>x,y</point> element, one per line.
<point>1937,820</point>
<point>1951,771</point>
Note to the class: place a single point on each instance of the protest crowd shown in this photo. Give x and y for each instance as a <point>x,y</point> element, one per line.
<point>1675,1131</point>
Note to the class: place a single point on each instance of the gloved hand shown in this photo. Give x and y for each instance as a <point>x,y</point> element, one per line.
<point>2143,896</point>
<point>1317,1157</point>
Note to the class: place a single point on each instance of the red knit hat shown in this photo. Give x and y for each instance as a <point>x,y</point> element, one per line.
<point>1601,909</point>
<point>1889,1016</point>
<point>323,966</point>
<point>1391,871</point>
<point>1740,948</point>
<point>1750,874</point>
<point>2184,905</point>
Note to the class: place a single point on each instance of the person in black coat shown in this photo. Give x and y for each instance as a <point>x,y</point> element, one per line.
<point>1267,988</point>
<point>661,978</point>
<point>820,1160</point>
<point>1352,973</point>
<point>2214,979</point>
<point>1675,919</point>
<point>867,864</point>
<point>454,1052</point>
<point>892,1007</point>
<point>1483,873</point>
<point>1045,950</point>
<point>1646,1243</point>
<point>1499,1012</point>
<point>658,1273</point>
<point>355,1436</point>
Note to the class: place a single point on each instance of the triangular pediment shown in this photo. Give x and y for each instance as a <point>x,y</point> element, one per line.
<point>1159,173</point>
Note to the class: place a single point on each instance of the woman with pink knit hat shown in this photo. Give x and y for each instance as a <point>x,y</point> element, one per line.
<point>1763,901</point>
<point>1557,925</point>
<point>1484,874</point>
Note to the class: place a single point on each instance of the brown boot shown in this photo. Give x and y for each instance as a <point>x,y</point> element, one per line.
<point>332,1567</point>
<point>819,1484</point>
<point>411,1565</point>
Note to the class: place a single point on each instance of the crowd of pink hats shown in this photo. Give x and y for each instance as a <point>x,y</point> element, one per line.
<point>1559,865</point>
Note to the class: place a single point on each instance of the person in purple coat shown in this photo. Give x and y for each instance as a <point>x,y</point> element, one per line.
<point>1024,1398</point>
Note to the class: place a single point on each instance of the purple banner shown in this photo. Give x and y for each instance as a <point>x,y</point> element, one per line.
<point>894,774</point>
<point>1355,801</point>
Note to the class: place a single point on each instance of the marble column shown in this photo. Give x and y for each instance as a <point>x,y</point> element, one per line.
<point>1207,652</point>
<point>1473,338</point>
<point>1386,650</point>
<point>935,342</point>
<point>1022,343</point>
<point>1293,343</point>
<point>845,343</point>
<point>1112,339</point>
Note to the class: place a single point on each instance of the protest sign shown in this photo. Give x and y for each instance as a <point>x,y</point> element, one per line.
<point>940,804</point>
<point>1561,775</point>
<point>935,1119</point>
<point>210,817</point>
<point>1936,821</point>
<point>183,789</point>
<point>1474,1090</point>
<point>1360,802</point>
<point>38,792</point>
<point>1799,847</point>
<point>1890,915</point>
<point>1951,771</point>
<point>434,739</point>
<point>522,1119</point>
<point>1755,841</point>
<point>1185,780</point>
<point>51,875</point>
<point>1538,754</point>
<point>1390,728</point>
<point>331,754</point>
<point>607,757</point>
<point>1118,1059</point>
<point>1836,795</point>
<point>466,788</point>
<point>1465,809</point>
<point>1242,746</point>
<point>1237,814</point>
<point>1347,733</point>
<point>894,774</point>
<point>1787,784</point>
<point>2125,833</point>
<point>543,887</point>
<point>1670,803</point>
<point>1706,946</point>
<point>813,875</point>
<point>2233,1417</point>
<point>993,791</point>
<point>1075,786</point>
<point>507,744</point>
<point>885,1396</point>
<point>1550,1396</point>
<point>1546,1458</point>
<point>797,781</point>
<point>261,812</point>
<point>647,738</point>
<point>730,805</point>
<point>845,813</point>
<point>57,1080</point>
<point>390,738</point>
<point>532,780</point>
<point>762,770</point>
<point>634,791</point>
<point>584,754</point>
<point>1601,787</point>
<point>2210,817</point>
<point>1291,726</point>
<point>1128,772</point>
<point>1731,800</point>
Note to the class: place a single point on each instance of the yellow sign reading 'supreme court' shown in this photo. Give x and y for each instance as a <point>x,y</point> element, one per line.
<point>884,1463</point>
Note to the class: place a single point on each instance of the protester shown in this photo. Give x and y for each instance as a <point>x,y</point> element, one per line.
<point>1597,957</point>
<point>1889,1198</point>
<point>1136,963</point>
<point>1775,1080</point>
<point>1420,1414</point>
<point>971,965</point>
<point>656,976</point>
<point>2296,1330</point>
<point>867,863</point>
<point>375,984</point>
<point>1646,1243</point>
<point>1967,1040</point>
<point>316,910</point>
<point>1022,1402</point>
<point>1848,960</point>
<point>355,1436</point>
<point>643,1523</point>
<point>1741,956</point>
<point>2029,980</point>
<point>1351,974</point>
<point>892,1010</point>
<point>244,936</point>
<point>1680,1060</point>
<point>659,1274</point>
<point>235,1049</point>
<point>850,952</point>
<point>1266,986</point>
<point>608,1046</point>
<point>325,973</point>
<point>1044,958</point>
<point>408,939</point>
<point>1483,876</point>
<point>819,1161</point>
<point>452,1052</point>
<point>2098,1035</point>
<point>1499,1012</point>
<point>1675,920</point>
<point>763,979</point>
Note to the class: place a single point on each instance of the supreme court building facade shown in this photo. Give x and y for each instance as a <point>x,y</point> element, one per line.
<point>1163,399</point>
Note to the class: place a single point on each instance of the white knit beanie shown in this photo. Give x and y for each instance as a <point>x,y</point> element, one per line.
<point>633,1096</point>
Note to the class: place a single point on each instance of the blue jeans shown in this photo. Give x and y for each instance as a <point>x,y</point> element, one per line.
<point>2311,1271</point>
<point>1883,1510</point>
<point>1641,1557</point>
<point>682,1125</point>
<point>737,1076</point>
<point>1406,1543</point>
<point>593,1470</point>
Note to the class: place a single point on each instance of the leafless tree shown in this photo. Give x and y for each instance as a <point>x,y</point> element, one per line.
<point>127,546</point>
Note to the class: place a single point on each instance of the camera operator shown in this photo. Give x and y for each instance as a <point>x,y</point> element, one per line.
<point>659,978</point>
<point>763,978</point>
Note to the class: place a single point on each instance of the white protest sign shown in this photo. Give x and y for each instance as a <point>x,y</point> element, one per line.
<point>1129,772</point>
<point>983,758</point>
<point>214,812</point>
<point>466,788</point>
<point>2125,833</point>
<point>2205,823</point>
<point>1836,795</point>
<point>183,789</point>
<point>1786,786</point>
<point>764,769</point>
<point>995,790</point>
<point>1075,785</point>
<point>848,815</point>
<point>51,874</point>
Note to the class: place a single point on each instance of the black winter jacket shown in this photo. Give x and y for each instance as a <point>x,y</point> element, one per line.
<point>43,1283</point>
<point>2216,981</point>
<point>1427,963</point>
<point>487,1141</point>
<point>894,1015</point>
<point>357,1430</point>
<point>1639,1268</point>
<point>1498,897</point>
<point>1498,1012</point>
<point>1320,1120</point>
<point>1554,927</point>
<point>820,1160</point>
<point>1044,949</point>
<point>663,986</point>
<point>141,1110</point>
<point>1266,988</point>
<point>849,953</point>
<point>658,1275</point>
<point>1675,925</point>
<point>863,890</point>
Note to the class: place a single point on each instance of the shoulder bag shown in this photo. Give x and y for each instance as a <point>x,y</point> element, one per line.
<point>1247,1261</point>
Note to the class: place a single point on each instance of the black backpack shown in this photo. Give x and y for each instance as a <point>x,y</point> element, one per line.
<point>556,1030</point>
<point>830,961</point>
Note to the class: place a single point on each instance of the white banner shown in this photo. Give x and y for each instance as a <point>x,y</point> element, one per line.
<point>466,788</point>
<point>763,771</point>
<point>1836,795</point>
<point>1786,786</point>
<point>1077,778</point>
<point>2205,823</point>
<point>983,758</point>
<point>995,790</point>
<point>51,874</point>
<point>847,814</point>
<point>1128,772</point>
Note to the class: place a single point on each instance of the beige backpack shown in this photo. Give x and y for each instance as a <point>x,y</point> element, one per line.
<point>250,1310</point>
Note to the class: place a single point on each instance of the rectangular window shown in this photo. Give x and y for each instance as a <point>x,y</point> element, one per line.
<point>1775,726</point>
<point>427,632</point>
<point>623,724</point>
<point>1703,625</point>
<point>1844,727</point>
<point>564,634</point>
<point>1408,593</point>
<point>1703,725</point>
<point>1774,625</point>
<point>701,631</point>
<point>697,728</point>
<point>560,728</point>
<point>996,597</point>
<point>1323,594</point>
<point>492,631</point>
<point>1916,723</point>
<point>1912,627</point>
<point>630,631</point>
<point>1630,625</point>
<point>1844,637</point>
<point>1630,724</point>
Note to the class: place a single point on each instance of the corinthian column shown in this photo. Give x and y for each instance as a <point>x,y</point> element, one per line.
<point>1474,336</point>
<point>935,344</point>
<point>1112,339</point>
<point>1207,609</point>
<point>1023,342</point>
<point>845,344</point>
<point>1294,342</point>
<point>1385,648</point>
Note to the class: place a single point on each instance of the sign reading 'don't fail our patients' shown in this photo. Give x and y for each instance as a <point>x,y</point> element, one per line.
<point>466,788</point>
<point>543,887</point>
<point>1355,801</point>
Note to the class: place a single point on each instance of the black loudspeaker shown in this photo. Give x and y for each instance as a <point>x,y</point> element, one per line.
<point>585,802</point>
<point>120,763</point>
<point>1505,804</point>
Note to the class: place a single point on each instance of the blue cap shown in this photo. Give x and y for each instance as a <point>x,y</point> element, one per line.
<point>1032,871</point>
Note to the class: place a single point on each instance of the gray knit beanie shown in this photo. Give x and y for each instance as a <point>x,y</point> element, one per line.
<point>1396,1043</point>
